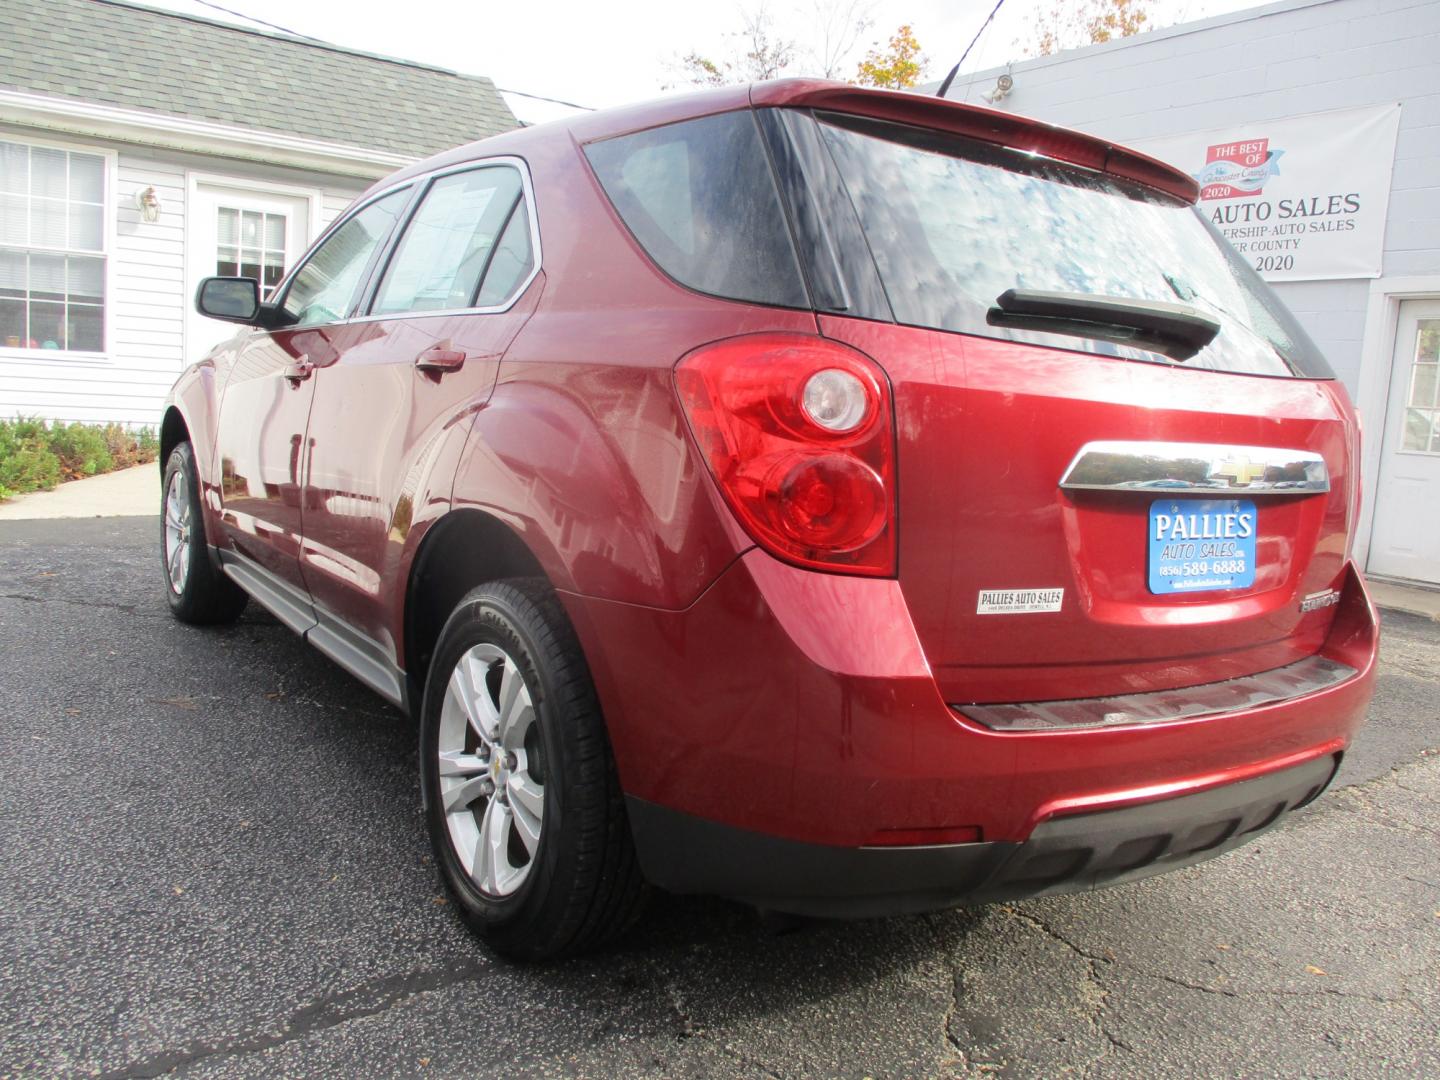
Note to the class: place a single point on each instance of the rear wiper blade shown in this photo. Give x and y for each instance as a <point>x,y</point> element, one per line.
<point>1179,331</point>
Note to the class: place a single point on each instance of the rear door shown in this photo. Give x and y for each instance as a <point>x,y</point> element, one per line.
<point>265,408</point>
<point>460,283</point>
<point>1213,513</point>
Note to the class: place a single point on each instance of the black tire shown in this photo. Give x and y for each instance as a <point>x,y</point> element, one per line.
<point>204,596</point>
<point>582,885</point>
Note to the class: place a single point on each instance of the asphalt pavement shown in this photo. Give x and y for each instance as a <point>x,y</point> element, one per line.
<point>212,864</point>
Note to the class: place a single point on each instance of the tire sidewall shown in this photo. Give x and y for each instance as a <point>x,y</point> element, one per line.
<point>491,614</point>
<point>182,460</point>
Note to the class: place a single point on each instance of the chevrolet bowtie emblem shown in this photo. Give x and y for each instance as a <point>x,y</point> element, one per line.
<point>1241,470</point>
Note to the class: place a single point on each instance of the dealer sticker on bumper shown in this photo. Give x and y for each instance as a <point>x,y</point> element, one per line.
<point>1019,601</point>
<point>1201,545</point>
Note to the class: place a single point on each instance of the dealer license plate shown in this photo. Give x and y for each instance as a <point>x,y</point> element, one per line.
<point>1202,545</point>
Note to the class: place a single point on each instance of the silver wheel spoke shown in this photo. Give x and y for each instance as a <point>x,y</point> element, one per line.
<point>492,864</point>
<point>458,763</point>
<point>175,567</point>
<point>526,795</point>
<point>516,711</point>
<point>461,795</point>
<point>527,821</point>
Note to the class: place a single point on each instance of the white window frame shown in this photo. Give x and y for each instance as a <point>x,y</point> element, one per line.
<point>108,231</point>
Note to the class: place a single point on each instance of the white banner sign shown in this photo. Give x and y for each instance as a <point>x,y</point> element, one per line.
<point>1301,199</point>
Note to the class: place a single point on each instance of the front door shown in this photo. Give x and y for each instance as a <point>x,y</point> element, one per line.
<point>1405,542</point>
<point>265,408</point>
<point>235,231</point>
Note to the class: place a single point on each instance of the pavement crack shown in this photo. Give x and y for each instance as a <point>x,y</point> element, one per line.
<point>128,609</point>
<point>329,1011</point>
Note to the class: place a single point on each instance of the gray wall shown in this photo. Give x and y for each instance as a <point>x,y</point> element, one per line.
<point>1268,63</point>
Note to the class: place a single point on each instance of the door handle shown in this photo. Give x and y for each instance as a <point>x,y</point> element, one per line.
<point>299,371</point>
<point>440,358</point>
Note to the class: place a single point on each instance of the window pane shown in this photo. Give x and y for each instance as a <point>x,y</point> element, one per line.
<point>47,172</point>
<point>1417,430</point>
<point>47,277</point>
<point>47,324</point>
<point>87,226</point>
<point>14,227</point>
<point>250,269</point>
<point>12,323</point>
<point>230,268</point>
<point>1422,386</point>
<point>47,223</point>
<point>438,262</point>
<point>250,228</point>
<point>14,168</point>
<point>12,273</point>
<point>86,324</point>
<point>227,226</point>
<point>325,287</point>
<point>87,178</point>
<point>86,279</point>
<point>510,263</point>
<point>275,232</point>
<point>700,198</point>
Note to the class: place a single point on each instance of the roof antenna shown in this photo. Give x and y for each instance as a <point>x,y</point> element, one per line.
<point>944,86</point>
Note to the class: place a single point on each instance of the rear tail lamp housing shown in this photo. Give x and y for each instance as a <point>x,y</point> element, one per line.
<point>798,432</point>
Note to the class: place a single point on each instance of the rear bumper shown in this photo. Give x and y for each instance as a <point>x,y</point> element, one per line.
<point>1068,854</point>
<point>797,711</point>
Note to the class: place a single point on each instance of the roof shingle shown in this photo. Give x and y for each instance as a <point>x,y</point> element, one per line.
<point>123,54</point>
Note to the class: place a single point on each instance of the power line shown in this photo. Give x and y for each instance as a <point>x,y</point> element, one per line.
<point>956,69</point>
<point>307,37</point>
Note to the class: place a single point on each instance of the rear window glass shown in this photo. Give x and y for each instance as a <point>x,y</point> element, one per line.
<point>700,198</point>
<point>954,222</point>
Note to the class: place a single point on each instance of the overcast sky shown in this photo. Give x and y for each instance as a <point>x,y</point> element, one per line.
<point>611,53</point>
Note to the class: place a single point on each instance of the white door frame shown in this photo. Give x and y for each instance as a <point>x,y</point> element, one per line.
<point>194,259</point>
<point>1377,355</point>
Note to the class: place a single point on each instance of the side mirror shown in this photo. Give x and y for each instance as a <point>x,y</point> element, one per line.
<point>234,299</point>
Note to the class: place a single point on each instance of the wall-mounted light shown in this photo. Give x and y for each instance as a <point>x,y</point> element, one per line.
<point>1003,85</point>
<point>148,203</point>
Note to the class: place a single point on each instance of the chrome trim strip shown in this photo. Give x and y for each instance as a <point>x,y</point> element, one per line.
<point>1308,676</point>
<point>1196,467</point>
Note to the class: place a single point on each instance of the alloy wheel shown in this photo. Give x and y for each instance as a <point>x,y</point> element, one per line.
<point>177,531</point>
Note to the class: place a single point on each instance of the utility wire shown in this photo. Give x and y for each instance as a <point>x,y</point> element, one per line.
<point>307,37</point>
<point>956,69</point>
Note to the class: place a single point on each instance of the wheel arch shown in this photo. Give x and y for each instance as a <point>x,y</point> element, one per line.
<point>464,548</point>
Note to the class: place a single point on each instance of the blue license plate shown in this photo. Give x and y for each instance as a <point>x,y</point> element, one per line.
<point>1202,545</point>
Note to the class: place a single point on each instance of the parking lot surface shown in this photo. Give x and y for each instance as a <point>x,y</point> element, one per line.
<point>212,864</point>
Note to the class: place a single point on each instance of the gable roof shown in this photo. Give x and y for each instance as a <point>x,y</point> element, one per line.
<point>117,53</point>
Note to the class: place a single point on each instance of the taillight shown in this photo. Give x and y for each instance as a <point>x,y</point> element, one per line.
<point>797,432</point>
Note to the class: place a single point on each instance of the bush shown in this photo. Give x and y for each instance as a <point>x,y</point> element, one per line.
<point>81,450</point>
<point>34,456</point>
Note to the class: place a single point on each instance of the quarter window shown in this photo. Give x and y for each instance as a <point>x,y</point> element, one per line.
<point>324,287</point>
<point>468,224</point>
<point>52,249</point>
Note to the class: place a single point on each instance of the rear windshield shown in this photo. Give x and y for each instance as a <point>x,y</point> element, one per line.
<point>954,222</point>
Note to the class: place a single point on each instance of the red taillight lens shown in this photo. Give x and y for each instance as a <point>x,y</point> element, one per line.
<point>797,431</point>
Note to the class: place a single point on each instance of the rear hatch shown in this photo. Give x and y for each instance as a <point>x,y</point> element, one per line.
<point>1150,493</point>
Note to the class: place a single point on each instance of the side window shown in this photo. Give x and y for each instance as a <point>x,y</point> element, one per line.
<point>325,286</point>
<point>701,200</point>
<point>511,263</point>
<point>458,231</point>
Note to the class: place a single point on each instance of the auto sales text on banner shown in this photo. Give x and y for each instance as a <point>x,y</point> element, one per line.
<point>1302,198</point>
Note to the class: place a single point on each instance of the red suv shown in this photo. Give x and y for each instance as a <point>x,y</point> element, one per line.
<point>845,501</point>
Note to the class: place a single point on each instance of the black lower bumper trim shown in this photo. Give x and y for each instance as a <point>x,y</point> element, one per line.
<point>687,854</point>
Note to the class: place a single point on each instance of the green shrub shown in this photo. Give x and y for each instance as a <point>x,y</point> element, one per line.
<point>81,449</point>
<point>35,456</point>
<point>26,460</point>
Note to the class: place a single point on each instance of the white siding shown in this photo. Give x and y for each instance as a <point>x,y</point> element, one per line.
<point>1287,59</point>
<point>148,296</point>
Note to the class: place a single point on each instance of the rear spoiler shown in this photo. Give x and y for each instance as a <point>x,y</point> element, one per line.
<point>975,122</point>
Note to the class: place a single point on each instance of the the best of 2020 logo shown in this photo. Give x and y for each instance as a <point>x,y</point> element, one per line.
<point>1237,170</point>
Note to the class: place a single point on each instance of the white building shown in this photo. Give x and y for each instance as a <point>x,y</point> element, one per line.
<point>1307,90</point>
<point>142,150</point>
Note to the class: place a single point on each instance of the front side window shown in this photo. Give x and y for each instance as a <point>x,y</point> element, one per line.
<point>700,198</point>
<point>52,249</point>
<point>452,240</point>
<point>324,288</point>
